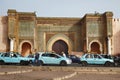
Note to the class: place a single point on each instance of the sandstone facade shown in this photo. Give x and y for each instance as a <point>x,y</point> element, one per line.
<point>24,32</point>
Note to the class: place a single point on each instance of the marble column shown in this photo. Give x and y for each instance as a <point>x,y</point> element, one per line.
<point>109,46</point>
<point>11,45</point>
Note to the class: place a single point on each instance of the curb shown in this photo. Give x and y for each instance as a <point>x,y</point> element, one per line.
<point>65,77</point>
<point>15,72</point>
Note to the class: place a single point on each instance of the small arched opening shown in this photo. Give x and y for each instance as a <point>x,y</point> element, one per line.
<point>95,47</point>
<point>26,49</point>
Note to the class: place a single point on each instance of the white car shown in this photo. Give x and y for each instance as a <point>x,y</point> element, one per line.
<point>53,58</point>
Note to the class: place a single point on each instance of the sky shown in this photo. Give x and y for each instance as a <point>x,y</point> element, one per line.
<point>61,8</point>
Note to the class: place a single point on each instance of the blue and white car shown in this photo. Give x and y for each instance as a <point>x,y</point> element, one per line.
<point>96,59</point>
<point>53,58</point>
<point>13,58</point>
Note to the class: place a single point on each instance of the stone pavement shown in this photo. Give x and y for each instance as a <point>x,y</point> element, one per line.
<point>4,70</point>
<point>94,76</point>
<point>58,73</point>
<point>36,75</point>
<point>33,73</point>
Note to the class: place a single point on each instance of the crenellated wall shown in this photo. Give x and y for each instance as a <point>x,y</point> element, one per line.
<point>116,36</point>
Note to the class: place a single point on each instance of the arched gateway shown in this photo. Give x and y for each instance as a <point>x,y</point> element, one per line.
<point>60,46</point>
<point>60,43</point>
<point>92,32</point>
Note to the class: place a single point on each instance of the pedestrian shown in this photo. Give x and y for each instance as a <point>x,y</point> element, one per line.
<point>36,61</point>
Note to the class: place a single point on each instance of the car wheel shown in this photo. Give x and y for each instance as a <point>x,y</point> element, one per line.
<point>116,64</point>
<point>41,63</point>
<point>107,64</point>
<point>30,62</point>
<point>84,63</point>
<point>22,63</point>
<point>63,63</point>
<point>2,62</point>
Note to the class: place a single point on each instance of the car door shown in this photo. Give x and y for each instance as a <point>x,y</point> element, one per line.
<point>14,58</point>
<point>49,58</point>
<point>45,58</point>
<point>11,58</point>
<point>5,57</point>
<point>90,59</point>
<point>54,59</point>
<point>98,59</point>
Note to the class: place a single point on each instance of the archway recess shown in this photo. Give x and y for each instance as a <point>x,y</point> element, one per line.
<point>60,46</point>
<point>25,49</point>
<point>95,46</point>
<point>58,37</point>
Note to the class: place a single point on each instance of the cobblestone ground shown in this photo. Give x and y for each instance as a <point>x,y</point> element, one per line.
<point>88,76</point>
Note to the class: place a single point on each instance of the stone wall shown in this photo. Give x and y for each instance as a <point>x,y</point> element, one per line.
<point>78,33</point>
<point>116,36</point>
<point>4,43</point>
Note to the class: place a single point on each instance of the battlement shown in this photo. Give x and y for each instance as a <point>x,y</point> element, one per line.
<point>116,19</point>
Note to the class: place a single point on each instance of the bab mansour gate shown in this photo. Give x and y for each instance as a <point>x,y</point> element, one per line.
<point>26,33</point>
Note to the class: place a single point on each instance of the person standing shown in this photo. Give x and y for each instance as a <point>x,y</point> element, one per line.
<point>36,61</point>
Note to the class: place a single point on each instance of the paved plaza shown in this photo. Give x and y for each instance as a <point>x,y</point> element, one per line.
<point>58,73</point>
<point>87,76</point>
